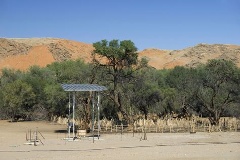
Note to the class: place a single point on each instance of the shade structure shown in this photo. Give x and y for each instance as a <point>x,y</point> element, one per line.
<point>82,87</point>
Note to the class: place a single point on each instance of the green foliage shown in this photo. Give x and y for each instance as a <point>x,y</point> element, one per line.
<point>55,100</point>
<point>147,95</point>
<point>9,75</point>
<point>121,57</point>
<point>3,112</point>
<point>108,110</point>
<point>119,54</point>
<point>15,100</point>
<point>218,88</point>
<point>72,71</point>
<point>184,82</point>
<point>169,101</point>
<point>18,98</point>
<point>210,90</point>
<point>38,78</point>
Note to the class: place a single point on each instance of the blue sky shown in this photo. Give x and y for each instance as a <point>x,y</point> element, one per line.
<point>162,24</point>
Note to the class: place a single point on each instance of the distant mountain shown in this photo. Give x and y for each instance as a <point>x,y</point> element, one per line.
<point>192,56</point>
<point>21,53</point>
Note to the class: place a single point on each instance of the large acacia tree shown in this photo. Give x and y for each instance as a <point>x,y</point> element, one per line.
<point>218,88</point>
<point>118,61</point>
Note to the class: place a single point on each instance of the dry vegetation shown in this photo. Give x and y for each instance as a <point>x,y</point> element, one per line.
<point>162,125</point>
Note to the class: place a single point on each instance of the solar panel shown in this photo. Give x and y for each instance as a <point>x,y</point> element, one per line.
<point>82,87</point>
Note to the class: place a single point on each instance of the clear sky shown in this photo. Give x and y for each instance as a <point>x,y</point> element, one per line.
<point>162,24</point>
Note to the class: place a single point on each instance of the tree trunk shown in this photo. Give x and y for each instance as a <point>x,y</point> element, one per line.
<point>214,118</point>
<point>87,114</point>
<point>118,103</point>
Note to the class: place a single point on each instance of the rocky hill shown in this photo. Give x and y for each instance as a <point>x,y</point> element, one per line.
<point>22,53</point>
<point>192,56</point>
<point>19,53</point>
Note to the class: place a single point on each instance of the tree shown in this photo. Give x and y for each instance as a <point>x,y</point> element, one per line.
<point>10,75</point>
<point>119,58</point>
<point>76,71</point>
<point>170,101</point>
<point>71,71</point>
<point>55,100</point>
<point>2,110</point>
<point>38,78</point>
<point>219,88</point>
<point>146,90</point>
<point>185,82</point>
<point>18,98</point>
<point>7,76</point>
<point>146,96</point>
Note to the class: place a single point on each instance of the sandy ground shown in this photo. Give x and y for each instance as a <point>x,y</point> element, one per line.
<point>216,146</point>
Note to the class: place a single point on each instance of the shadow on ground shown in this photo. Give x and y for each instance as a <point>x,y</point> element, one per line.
<point>61,131</point>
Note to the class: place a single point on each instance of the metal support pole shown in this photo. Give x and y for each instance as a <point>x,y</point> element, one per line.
<point>30,135</point>
<point>36,138</point>
<point>69,112</point>
<point>93,115</point>
<point>73,115</point>
<point>98,105</point>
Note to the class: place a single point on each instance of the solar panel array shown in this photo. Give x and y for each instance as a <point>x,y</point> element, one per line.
<point>82,87</point>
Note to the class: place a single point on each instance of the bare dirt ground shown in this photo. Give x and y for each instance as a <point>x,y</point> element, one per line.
<point>202,145</point>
